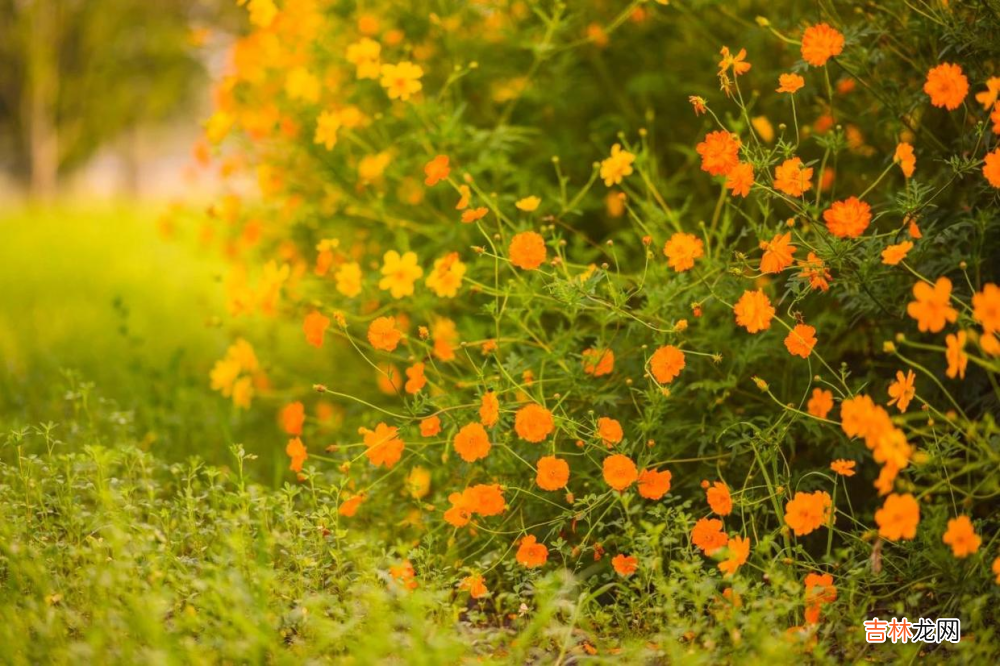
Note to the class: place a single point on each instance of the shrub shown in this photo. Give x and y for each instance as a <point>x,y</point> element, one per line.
<point>666,295</point>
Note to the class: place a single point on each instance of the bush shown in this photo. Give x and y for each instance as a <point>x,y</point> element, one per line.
<point>698,337</point>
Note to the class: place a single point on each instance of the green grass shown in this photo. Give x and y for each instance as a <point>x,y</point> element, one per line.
<point>95,291</point>
<point>110,555</point>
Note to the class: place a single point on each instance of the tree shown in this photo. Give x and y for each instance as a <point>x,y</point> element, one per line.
<point>75,74</point>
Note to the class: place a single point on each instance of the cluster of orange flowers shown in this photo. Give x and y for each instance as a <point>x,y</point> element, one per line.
<point>399,297</point>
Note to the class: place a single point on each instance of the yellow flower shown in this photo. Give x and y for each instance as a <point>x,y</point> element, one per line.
<point>402,80</point>
<point>262,12</point>
<point>371,167</point>
<point>300,84</point>
<point>400,272</point>
<point>617,166</point>
<point>528,204</point>
<point>764,128</point>
<point>348,278</point>
<point>364,55</point>
<point>243,392</point>
<point>270,285</point>
<point>418,483</point>
<point>224,375</point>
<point>446,276</point>
<point>218,126</point>
<point>327,125</point>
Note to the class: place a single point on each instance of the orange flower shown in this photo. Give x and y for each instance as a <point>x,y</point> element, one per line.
<point>384,447</point>
<point>996,569</point>
<point>436,170</point>
<point>792,178</point>
<point>527,250</point>
<point>553,473</point>
<point>995,119</point>
<point>739,551</point>
<point>475,586</point>
<point>898,517</point>
<point>292,418</point>
<point>464,197</point>
<point>383,334</point>
<point>719,152</point>
<point>989,96</point>
<point>932,309</point>
<point>753,311</point>
<point>905,158</point>
<point>856,416</point>
<point>736,62</point>
<point>826,592</point>
<point>489,409</point>
<point>405,574</point>
<point>790,83</point>
<point>625,565</point>
<point>894,254</point>
<point>777,253</point>
<point>415,379</point>
<point>531,553</point>
<point>807,512</point>
<point>610,431</point>
<point>349,507</point>
<point>617,166</point>
<point>820,403</point>
<point>682,249</point>
<point>473,214</point>
<point>991,167</point>
<point>990,344</point>
<point>708,536</point>
<point>946,85</point>
<point>962,537</point>
<point>820,591</point>
<point>801,340</point>
<point>957,358</point>
<point>653,484</point>
<point>739,179</point>
<point>619,472</point>
<point>820,42</point>
<point>666,363</point>
<point>986,307</point>
<point>472,442</point>
<point>698,104</point>
<point>533,423</point>
<point>843,467</point>
<point>814,270</point>
<point>314,327</point>
<point>430,426</point>
<point>486,499</point>
<point>598,362</point>
<point>460,512</point>
<point>719,498</point>
<point>296,450</point>
<point>482,499</point>
<point>848,218</point>
<point>902,390</point>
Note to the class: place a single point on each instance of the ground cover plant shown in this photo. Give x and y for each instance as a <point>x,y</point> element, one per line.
<point>647,331</point>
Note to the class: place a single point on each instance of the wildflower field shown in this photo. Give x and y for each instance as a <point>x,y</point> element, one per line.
<point>522,331</point>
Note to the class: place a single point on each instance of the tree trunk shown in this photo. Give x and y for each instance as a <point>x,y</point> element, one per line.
<point>43,88</point>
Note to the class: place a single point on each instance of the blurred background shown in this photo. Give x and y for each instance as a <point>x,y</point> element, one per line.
<point>102,97</point>
<point>102,104</point>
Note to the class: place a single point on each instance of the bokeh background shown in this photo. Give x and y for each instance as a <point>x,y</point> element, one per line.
<point>104,289</point>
